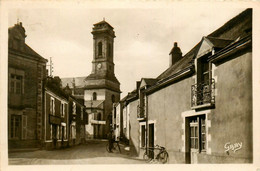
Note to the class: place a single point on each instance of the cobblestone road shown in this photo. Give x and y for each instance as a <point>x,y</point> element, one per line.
<point>93,152</point>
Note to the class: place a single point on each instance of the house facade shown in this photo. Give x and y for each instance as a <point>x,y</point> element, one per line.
<point>26,72</point>
<point>77,121</point>
<point>56,120</point>
<point>65,116</point>
<point>200,108</point>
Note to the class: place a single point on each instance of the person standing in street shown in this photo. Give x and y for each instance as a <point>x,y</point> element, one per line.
<point>110,140</point>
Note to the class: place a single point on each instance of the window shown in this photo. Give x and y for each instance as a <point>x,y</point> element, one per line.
<point>62,110</point>
<point>204,70</point>
<point>73,132</point>
<point>98,116</point>
<point>100,49</point>
<point>64,133</point>
<point>15,126</point>
<point>141,107</point>
<point>52,106</point>
<point>198,133</point>
<point>113,98</point>
<point>16,84</point>
<point>143,136</point>
<point>94,96</point>
<point>114,112</point>
<point>203,90</point>
<point>74,108</point>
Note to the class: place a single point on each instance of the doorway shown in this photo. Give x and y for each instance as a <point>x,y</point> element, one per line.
<point>196,137</point>
<point>151,138</point>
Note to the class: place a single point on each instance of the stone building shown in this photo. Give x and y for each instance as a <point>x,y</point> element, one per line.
<point>101,88</point>
<point>26,72</point>
<point>200,108</point>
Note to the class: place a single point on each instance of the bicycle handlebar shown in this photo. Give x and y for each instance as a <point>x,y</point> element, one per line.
<point>157,147</point>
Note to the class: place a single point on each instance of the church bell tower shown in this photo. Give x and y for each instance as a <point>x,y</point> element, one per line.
<point>102,88</point>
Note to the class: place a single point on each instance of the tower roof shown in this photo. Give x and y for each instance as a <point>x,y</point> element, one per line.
<point>103,22</point>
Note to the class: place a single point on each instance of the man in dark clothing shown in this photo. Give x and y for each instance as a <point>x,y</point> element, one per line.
<point>110,140</point>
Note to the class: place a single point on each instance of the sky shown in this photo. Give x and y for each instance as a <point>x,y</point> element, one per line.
<point>144,36</point>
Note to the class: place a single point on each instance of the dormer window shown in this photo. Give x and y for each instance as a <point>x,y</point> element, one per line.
<point>202,92</point>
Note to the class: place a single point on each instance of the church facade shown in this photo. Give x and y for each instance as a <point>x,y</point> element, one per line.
<point>101,87</point>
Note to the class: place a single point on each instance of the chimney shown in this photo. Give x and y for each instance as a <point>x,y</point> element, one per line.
<point>175,54</point>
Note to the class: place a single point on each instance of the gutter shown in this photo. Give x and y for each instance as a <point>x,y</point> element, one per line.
<point>231,49</point>
<point>173,78</point>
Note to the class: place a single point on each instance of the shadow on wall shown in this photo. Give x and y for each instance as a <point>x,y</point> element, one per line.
<point>133,150</point>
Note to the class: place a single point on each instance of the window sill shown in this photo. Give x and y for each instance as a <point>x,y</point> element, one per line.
<point>207,105</point>
<point>140,119</point>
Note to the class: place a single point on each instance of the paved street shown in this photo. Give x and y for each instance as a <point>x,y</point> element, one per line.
<point>93,152</point>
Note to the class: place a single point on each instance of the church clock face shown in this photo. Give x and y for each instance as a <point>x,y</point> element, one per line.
<point>99,65</point>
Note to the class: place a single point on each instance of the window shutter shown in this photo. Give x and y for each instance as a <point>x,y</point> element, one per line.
<point>24,127</point>
<point>53,107</point>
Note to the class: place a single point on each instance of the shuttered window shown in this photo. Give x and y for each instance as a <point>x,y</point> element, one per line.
<point>15,123</point>
<point>16,84</point>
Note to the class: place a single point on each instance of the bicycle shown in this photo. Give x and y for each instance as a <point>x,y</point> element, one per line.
<point>162,156</point>
<point>115,147</point>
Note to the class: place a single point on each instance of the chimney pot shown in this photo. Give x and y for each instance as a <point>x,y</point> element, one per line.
<point>175,54</point>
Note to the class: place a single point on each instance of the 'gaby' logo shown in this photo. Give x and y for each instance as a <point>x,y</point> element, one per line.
<point>234,147</point>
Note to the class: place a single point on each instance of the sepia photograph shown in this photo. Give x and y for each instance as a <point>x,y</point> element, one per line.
<point>91,85</point>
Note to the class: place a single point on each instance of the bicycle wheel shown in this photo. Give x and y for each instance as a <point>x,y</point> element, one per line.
<point>148,157</point>
<point>163,157</point>
<point>115,148</point>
